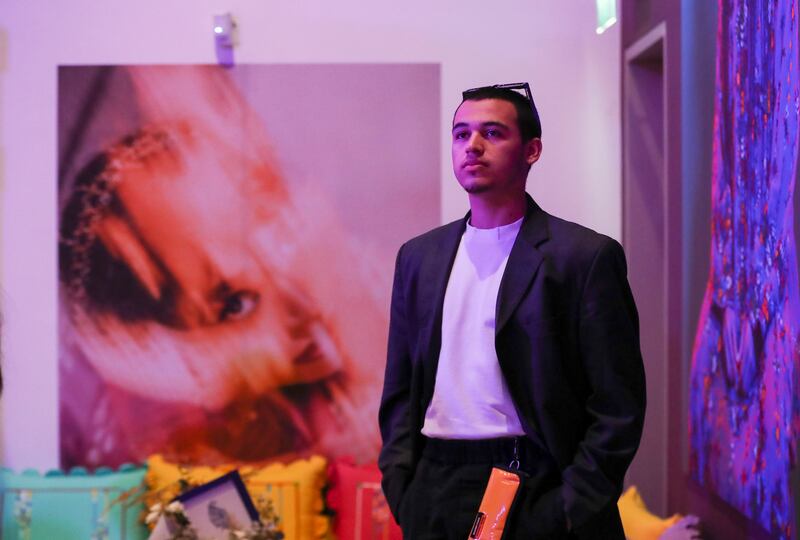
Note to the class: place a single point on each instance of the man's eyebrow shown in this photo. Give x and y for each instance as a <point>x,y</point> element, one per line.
<point>491,123</point>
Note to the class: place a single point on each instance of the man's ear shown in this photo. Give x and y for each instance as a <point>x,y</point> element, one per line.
<point>533,150</point>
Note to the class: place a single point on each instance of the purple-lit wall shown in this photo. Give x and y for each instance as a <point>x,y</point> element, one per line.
<point>573,72</point>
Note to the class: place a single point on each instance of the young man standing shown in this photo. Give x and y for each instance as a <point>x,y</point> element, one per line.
<point>513,338</point>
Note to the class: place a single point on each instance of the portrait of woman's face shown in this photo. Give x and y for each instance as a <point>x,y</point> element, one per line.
<point>212,310</point>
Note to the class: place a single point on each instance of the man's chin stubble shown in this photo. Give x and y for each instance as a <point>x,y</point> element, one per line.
<point>476,189</point>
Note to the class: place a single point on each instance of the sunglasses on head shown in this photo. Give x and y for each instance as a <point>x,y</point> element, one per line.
<point>524,87</point>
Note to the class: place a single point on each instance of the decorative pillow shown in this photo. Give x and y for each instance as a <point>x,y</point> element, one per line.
<point>360,509</point>
<point>638,522</point>
<point>72,506</point>
<point>295,490</point>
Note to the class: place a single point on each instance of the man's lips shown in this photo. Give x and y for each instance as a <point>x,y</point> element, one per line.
<point>473,164</point>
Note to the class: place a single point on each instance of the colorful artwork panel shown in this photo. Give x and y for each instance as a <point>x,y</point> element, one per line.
<point>744,390</point>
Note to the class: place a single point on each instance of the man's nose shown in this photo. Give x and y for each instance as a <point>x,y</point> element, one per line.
<point>475,144</point>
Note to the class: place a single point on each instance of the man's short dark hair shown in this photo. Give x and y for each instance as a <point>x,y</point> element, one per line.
<point>530,127</point>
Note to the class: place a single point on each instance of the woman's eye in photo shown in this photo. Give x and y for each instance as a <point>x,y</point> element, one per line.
<point>237,305</point>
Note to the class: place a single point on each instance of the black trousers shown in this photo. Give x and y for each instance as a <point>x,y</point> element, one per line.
<point>448,484</point>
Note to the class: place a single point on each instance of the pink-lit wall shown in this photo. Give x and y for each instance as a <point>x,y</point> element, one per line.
<point>573,72</point>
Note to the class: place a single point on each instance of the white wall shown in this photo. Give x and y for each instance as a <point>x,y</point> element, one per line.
<point>552,44</point>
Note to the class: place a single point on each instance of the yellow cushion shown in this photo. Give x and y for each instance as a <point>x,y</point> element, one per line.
<point>638,522</point>
<point>295,490</point>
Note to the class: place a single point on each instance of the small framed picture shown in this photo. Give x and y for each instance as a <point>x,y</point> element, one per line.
<point>219,506</point>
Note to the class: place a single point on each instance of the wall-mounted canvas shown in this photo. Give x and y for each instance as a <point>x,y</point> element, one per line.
<point>226,246</point>
<point>744,405</point>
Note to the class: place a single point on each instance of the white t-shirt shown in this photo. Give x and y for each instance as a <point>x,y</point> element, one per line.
<point>471,398</point>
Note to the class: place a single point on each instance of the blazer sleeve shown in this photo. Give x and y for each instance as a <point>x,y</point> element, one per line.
<point>615,407</point>
<point>395,459</point>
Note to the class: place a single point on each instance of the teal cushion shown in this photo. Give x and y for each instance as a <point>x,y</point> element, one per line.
<point>78,505</point>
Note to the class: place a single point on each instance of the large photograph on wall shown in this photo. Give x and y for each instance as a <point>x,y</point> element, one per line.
<point>226,247</point>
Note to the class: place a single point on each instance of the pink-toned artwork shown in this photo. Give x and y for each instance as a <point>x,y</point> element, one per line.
<point>227,238</point>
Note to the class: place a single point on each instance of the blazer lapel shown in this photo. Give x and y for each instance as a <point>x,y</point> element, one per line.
<point>434,275</point>
<point>523,262</point>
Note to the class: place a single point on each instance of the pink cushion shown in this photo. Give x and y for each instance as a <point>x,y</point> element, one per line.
<point>360,510</point>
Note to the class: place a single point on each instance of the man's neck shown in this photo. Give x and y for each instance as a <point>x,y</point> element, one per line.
<point>489,212</point>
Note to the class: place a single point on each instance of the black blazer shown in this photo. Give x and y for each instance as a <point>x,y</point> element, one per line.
<point>567,339</point>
